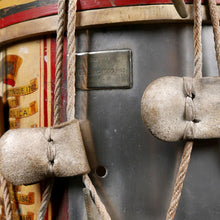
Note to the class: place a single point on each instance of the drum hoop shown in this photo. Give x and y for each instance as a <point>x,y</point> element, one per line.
<point>100,17</point>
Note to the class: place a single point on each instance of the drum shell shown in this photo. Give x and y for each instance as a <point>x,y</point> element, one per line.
<point>140,170</point>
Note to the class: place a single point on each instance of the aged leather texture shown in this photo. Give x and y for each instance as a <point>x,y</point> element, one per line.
<point>175,108</point>
<point>29,155</point>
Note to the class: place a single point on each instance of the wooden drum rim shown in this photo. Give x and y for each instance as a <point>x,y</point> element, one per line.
<point>164,13</point>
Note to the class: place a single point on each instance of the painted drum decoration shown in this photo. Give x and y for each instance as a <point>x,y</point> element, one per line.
<point>121,47</point>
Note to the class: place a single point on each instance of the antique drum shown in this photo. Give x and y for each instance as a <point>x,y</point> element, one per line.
<point>122,46</point>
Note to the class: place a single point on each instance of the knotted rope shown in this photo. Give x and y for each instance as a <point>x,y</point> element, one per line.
<point>71,26</point>
<point>197,74</point>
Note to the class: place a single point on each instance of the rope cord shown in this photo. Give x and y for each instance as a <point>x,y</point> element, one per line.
<point>57,97</point>
<point>216,29</point>
<point>71,26</point>
<point>71,63</point>
<point>180,180</point>
<point>45,199</point>
<point>100,206</point>
<point>189,145</point>
<point>59,60</point>
<point>197,30</point>
<point>6,198</point>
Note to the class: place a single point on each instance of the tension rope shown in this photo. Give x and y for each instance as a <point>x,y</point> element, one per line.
<point>216,29</point>
<point>71,26</point>
<point>71,65</point>
<point>6,198</point>
<point>197,74</point>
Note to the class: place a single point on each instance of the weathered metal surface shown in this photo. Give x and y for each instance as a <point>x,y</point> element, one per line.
<point>104,69</point>
<point>140,168</point>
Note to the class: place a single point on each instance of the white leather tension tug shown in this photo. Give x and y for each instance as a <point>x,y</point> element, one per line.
<point>29,155</point>
<point>175,108</point>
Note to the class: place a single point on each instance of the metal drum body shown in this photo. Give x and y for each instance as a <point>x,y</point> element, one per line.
<point>133,171</point>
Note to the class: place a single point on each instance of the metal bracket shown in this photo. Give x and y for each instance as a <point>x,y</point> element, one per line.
<point>180,8</point>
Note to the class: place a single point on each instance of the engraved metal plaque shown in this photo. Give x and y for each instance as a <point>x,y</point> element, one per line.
<point>104,70</point>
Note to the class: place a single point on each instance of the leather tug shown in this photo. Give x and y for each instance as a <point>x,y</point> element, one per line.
<point>176,108</point>
<point>54,151</point>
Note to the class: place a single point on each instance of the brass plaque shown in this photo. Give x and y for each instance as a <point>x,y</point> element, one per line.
<point>104,70</point>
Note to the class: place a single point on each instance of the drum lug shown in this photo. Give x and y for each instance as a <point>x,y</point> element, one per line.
<point>180,8</point>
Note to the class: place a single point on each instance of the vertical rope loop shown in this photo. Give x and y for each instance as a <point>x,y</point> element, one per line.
<point>70,96</point>
<point>197,30</point>
<point>71,63</point>
<point>216,29</point>
<point>100,207</point>
<point>180,180</point>
<point>45,199</point>
<point>59,60</point>
<point>71,28</point>
<point>57,96</point>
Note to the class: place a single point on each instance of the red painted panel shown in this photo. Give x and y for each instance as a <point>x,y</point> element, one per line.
<point>28,15</point>
<point>45,84</point>
<point>92,4</point>
<point>81,5</point>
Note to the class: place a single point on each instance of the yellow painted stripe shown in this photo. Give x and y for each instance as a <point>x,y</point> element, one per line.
<point>9,3</point>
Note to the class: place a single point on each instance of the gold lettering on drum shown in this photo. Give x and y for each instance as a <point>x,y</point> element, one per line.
<point>24,112</point>
<point>28,216</point>
<point>14,102</point>
<point>14,123</point>
<point>23,90</point>
<point>25,199</point>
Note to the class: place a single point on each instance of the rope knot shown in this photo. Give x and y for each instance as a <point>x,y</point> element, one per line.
<point>190,109</point>
<point>51,152</point>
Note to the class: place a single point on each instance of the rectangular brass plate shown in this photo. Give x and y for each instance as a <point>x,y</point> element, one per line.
<point>104,70</point>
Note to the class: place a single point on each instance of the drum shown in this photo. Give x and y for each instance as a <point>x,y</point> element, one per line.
<point>125,46</point>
